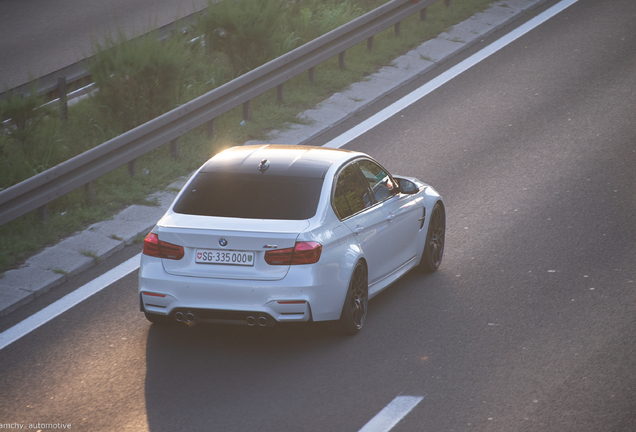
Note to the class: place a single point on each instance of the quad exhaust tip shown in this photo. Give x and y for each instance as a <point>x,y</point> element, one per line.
<point>188,317</point>
<point>251,321</point>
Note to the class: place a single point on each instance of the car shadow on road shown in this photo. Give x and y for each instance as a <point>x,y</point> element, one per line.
<point>214,377</point>
<point>237,378</point>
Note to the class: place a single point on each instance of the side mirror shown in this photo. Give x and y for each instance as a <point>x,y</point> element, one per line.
<point>408,187</point>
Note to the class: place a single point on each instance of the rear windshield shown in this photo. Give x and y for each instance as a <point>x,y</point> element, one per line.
<point>251,196</point>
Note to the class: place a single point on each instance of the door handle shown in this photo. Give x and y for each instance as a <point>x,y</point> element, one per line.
<point>358,230</point>
<point>390,217</point>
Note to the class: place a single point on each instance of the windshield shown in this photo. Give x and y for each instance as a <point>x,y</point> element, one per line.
<point>251,196</point>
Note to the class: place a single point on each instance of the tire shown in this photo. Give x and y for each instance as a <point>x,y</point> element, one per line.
<point>157,319</point>
<point>354,310</point>
<point>435,238</point>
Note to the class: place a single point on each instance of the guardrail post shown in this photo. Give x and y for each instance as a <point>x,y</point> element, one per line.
<point>89,188</point>
<point>280,95</point>
<point>211,129</point>
<point>132,167</point>
<point>341,60</point>
<point>312,74</point>
<point>370,44</point>
<point>43,214</point>
<point>246,111</point>
<point>61,90</point>
<point>396,28</point>
<point>174,148</point>
<point>423,15</point>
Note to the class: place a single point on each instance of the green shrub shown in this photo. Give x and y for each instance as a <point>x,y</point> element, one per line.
<point>22,113</point>
<point>138,80</point>
<point>245,31</point>
<point>27,137</point>
<point>310,19</point>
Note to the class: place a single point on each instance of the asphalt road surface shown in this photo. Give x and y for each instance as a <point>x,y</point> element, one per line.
<point>529,324</point>
<point>38,37</point>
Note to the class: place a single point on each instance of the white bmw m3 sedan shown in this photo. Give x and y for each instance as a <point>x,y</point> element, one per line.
<point>273,233</point>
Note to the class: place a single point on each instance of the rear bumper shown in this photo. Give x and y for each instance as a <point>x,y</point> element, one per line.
<point>308,292</point>
<point>220,316</point>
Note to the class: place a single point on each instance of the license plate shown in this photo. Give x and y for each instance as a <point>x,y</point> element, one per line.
<point>207,256</point>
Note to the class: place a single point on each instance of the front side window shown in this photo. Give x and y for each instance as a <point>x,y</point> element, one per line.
<point>379,181</point>
<point>351,195</point>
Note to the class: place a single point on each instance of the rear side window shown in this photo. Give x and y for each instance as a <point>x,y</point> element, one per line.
<point>351,194</point>
<point>251,196</point>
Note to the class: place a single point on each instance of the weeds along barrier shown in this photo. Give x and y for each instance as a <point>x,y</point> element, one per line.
<point>36,192</point>
<point>75,78</point>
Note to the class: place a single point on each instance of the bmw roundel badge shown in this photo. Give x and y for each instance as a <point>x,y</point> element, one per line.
<point>262,167</point>
<point>223,242</point>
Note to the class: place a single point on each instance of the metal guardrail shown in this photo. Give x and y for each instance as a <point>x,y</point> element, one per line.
<point>51,184</point>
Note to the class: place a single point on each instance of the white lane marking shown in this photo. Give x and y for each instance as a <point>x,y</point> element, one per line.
<point>442,79</point>
<point>68,301</point>
<point>386,419</point>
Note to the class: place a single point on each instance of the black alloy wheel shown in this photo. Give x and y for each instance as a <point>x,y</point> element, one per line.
<point>435,237</point>
<point>354,310</point>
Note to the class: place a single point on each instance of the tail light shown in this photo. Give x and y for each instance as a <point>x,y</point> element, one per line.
<point>302,253</point>
<point>160,249</point>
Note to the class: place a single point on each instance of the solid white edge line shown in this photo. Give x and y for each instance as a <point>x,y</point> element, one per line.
<point>65,303</point>
<point>391,415</point>
<point>443,78</point>
<point>68,301</point>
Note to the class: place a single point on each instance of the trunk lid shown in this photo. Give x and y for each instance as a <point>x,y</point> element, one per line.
<point>245,242</point>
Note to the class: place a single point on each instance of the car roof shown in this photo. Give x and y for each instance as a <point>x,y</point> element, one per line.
<point>284,160</point>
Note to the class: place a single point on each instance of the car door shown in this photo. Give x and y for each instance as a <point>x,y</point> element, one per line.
<point>400,211</point>
<point>355,206</point>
